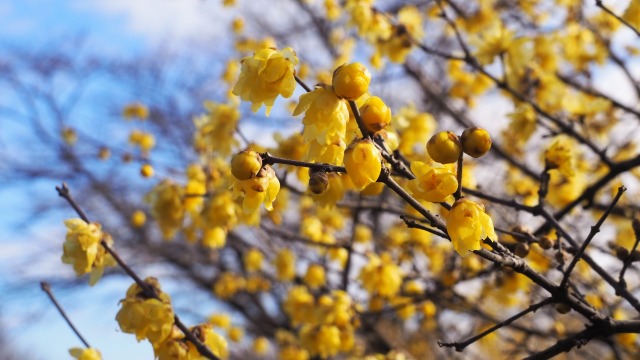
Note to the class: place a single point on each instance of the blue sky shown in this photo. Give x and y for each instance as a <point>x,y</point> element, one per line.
<point>116,28</point>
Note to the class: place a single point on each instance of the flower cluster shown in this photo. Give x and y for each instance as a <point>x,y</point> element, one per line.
<point>83,249</point>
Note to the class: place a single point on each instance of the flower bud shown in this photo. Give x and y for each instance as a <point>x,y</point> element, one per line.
<point>362,161</point>
<point>475,142</point>
<point>318,182</point>
<point>444,147</point>
<point>375,114</point>
<point>246,164</point>
<point>546,242</point>
<point>522,250</point>
<point>146,170</point>
<point>351,81</point>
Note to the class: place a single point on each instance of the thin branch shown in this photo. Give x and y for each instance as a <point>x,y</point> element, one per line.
<point>356,115</point>
<point>47,289</point>
<point>63,191</point>
<point>267,158</point>
<point>458,194</point>
<point>459,346</point>
<point>623,21</point>
<point>594,230</point>
<point>304,86</point>
<point>636,230</point>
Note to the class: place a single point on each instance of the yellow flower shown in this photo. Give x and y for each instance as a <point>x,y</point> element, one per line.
<point>414,127</point>
<point>258,190</point>
<point>220,320</point>
<point>146,170</point>
<point>285,264</point>
<point>381,276</point>
<point>523,121</point>
<point>351,81</point>
<point>228,284</point>
<point>561,155</point>
<point>493,42</point>
<point>214,341</point>
<point>167,207</point>
<point>265,75</point>
<point>475,141</point>
<point>325,115</point>
<point>468,225</point>
<point>260,345</point>
<point>215,130</point>
<point>333,194</point>
<point>148,318</point>
<point>135,110</point>
<point>138,218</point>
<point>321,340</point>
<point>235,334</point>
<point>363,163</point>
<point>246,164</point>
<point>85,354</point>
<point>444,147</point>
<point>315,276</point>
<point>83,250</point>
<point>375,114</point>
<point>253,260</point>
<point>432,184</point>
<point>632,14</point>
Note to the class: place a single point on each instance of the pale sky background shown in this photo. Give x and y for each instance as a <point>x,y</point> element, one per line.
<point>125,28</point>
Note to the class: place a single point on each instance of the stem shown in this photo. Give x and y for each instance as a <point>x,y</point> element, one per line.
<point>459,346</point>
<point>304,86</point>
<point>627,262</point>
<point>623,21</point>
<point>267,158</point>
<point>594,230</point>
<point>458,194</point>
<point>63,191</point>
<point>356,115</point>
<point>47,289</point>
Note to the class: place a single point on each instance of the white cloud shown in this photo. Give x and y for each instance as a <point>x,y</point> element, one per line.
<point>168,20</point>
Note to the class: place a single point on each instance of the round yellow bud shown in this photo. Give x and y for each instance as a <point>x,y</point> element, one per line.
<point>246,164</point>
<point>138,218</point>
<point>444,147</point>
<point>235,334</point>
<point>475,142</point>
<point>146,170</point>
<point>318,182</point>
<point>315,276</point>
<point>375,114</point>
<point>351,81</point>
<point>261,345</point>
<point>362,161</point>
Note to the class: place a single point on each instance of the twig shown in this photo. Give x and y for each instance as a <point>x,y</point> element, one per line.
<point>459,346</point>
<point>63,191</point>
<point>304,86</point>
<point>623,21</point>
<point>627,262</point>
<point>356,115</point>
<point>412,224</point>
<point>458,194</point>
<point>47,289</point>
<point>267,158</point>
<point>594,230</point>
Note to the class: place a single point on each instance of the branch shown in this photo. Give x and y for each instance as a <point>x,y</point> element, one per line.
<point>623,21</point>
<point>594,230</point>
<point>47,289</point>
<point>460,346</point>
<point>636,230</point>
<point>63,191</point>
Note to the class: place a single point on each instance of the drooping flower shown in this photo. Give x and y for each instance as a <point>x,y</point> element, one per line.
<point>381,276</point>
<point>431,183</point>
<point>468,225</point>
<point>325,115</point>
<point>260,189</point>
<point>351,81</point>
<point>83,250</point>
<point>363,162</point>
<point>444,147</point>
<point>475,141</point>
<point>214,341</point>
<point>148,318</point>
<point>265,75</point>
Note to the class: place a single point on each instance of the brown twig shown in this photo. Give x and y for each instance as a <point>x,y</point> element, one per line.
<point>63,191</point>
<point>594,230</point>
<point>47,289</point>
<point>623,21</point>
<point>627,262</point>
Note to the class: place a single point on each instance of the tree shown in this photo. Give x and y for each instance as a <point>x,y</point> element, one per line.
<point>398,221</point>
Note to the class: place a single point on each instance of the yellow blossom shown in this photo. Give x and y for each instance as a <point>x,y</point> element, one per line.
<point>215,130</point>
<point>632,14</point>
<point>167,207</point>
<point>431,183</point>
<point>265,75</point>
<point>322,340</point>
<point>468,225</point>
<point>235,334</point>
<point>475,141</point>
<point>413,127</point>
<point>83,250</point>
<point>493,42</point>
<point>351,81</point>
<point>135,110</point>
<point>325,117</point>
<point>561,155</point>
<point>148,318</point>
<point>285,264</point>
<point>214,341</point>
<point>253,260</point>
<point>375,114</point>
<point>228,284</point>
<point>258,190</point>
<point>363,163</point>
<point>260,345</point>
<point>85,354</point>
<point>315,276</point>
<point>220,320</point>
<point>381,276</point>
<point>444,147</point>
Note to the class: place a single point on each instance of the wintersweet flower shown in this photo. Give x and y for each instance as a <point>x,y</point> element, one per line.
<point>166,201</point>
<point>376,115</point>
<point>325,115</point>
<point>214,341</point>
<point>85,354</point>
<point>363,162</point>
<point>444,147</point>
<point>561,155</point>
<point>148,318</point>
<point>468,225</point>
<point>351,81</point>
<point>265,75</point>
<point>381,276</point>
<point>431,183</point>
<point>83,250</point>
<point>262,189</point>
